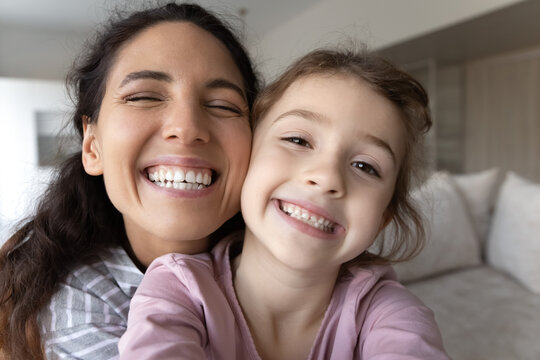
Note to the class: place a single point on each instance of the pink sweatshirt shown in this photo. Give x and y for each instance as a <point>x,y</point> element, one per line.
<point>186,308</point>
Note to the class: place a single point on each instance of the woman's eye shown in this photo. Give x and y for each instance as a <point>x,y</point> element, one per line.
<point>137,98</point>
<point>226,108</point>
<point>298,141</point>
<point>365,167</point>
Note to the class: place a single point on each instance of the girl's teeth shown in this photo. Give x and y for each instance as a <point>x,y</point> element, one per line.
<point>308,218</point>
<point>190,177</point>
<point>179,176</point>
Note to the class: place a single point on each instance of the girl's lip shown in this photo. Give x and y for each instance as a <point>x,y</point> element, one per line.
<point>338,230</point>
<point>309,206</point>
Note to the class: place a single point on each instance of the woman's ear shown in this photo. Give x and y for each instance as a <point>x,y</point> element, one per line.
<point>91,153</point>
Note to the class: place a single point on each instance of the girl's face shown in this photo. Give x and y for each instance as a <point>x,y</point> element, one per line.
<point>323,168</point>
<point>172,139</point>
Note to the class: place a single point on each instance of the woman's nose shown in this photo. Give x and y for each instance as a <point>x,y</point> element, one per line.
<point>186,122</point>
<point>326,175</point>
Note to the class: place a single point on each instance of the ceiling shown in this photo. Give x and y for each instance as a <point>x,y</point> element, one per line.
<point>512,28</point>
<point>259,16</point>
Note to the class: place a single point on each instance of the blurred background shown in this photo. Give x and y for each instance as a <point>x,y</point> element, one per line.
<point>479,60</point>
<point>480,63</point>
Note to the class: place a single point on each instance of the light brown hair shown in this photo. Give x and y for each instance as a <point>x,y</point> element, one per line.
<point>410,98</point>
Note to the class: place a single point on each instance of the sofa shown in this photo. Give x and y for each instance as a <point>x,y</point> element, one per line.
<point>480,269</point>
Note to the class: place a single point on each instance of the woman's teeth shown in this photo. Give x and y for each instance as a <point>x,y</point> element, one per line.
<point>180,179</point>
<point>305,216</point>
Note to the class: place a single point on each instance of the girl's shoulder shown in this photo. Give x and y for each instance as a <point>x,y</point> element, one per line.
<point>387,316</point>
<point>193,268</point>
<point>375,288</point>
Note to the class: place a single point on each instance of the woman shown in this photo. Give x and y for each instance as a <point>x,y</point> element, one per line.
<point>162,108</point>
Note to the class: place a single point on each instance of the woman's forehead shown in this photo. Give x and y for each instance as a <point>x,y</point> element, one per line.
<point>177,48</point>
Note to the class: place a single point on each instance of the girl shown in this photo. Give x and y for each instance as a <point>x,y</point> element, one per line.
<point>162,102</point>
<point>334,154</point>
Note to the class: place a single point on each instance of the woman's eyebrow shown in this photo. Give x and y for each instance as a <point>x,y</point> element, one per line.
<point>222,83</point>
<point>146,74</point>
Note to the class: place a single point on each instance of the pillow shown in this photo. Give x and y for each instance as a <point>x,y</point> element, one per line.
<point>514,240</point>
<point>479,191</point>
<point>451,241</point>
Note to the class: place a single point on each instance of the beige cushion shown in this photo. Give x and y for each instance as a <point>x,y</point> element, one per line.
<point>451,238</point>
<point>514,240</point>
<point>479,191</point>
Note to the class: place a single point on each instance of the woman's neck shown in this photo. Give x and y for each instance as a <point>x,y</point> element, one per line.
<point>284,307</point>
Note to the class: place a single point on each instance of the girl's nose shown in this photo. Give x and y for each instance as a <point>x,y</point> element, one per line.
<point>186,122</point>
<point>325,175</point>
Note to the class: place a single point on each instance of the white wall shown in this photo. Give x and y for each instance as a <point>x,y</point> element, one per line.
<point>22,180</point>
<point>37,53</point>
<point>378,23</point>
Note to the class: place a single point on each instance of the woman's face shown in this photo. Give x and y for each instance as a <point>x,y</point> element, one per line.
<point>172,139</point>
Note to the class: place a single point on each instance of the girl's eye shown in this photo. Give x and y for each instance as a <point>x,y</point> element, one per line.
<point>297,140</point>
<point>365,167</point>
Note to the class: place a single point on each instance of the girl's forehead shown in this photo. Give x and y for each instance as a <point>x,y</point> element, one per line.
<point>322,88</point>
<point>341,104</point>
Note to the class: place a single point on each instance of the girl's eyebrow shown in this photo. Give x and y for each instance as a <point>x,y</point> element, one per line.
<point>316,117</point>
<point>146,74</point>
<point>306,114</point>
<point>381,144</point>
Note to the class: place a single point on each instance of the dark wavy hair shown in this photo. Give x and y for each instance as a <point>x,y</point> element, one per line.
<point>411,99</point>
<point>75,220</point>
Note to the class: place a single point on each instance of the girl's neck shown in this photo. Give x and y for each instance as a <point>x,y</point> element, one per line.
<point>284,307</point>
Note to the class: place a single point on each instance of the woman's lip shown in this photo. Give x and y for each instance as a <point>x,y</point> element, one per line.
<point>178,193</point>
<point>189,163</point>
<point>181,161</point>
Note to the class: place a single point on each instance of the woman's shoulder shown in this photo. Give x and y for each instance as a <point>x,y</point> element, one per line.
<point>91,305</point>
<point>112,269</point>
<point>104,285</point>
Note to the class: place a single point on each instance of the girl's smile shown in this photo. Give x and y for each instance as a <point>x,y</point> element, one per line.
<point>324,163</point>
<point>308,218</point>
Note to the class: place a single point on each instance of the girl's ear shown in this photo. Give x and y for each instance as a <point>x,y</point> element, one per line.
<point>91,153</point>
<point>387,218</point>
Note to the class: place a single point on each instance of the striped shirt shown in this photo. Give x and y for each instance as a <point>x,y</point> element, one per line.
<point>88,314</point>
